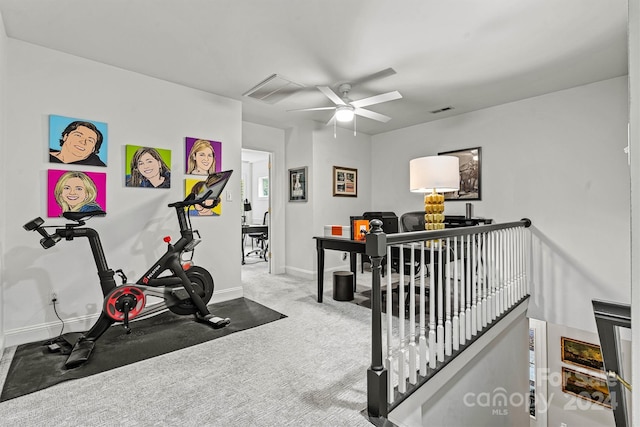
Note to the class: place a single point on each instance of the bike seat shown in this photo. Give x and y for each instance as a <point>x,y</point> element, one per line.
<point>79,216</point>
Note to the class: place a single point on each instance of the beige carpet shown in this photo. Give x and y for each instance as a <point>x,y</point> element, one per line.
<point>306,370</point>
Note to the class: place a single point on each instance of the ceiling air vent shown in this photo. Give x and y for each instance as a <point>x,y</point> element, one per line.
<point>441,110</point>
<point>273,89</point>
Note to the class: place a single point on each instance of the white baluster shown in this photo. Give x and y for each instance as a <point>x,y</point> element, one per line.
<point>468,312</point>
<point>389,362</point>
<point>480,279</point>
<point>413,350</point>
<point>422,339</point>
<point>456,304</point>
<point>491,301</point>
<point>463,292</point>
<point>447,324</point>
<point>402,353</point>
<point>440,327</point>
<point>503,271</point>
<point>486,310</point>
<point>474,289</point>
<point>432,309</point>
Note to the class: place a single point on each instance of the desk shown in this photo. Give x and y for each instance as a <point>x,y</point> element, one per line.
<point>354,247</point>
<point>251,228</point>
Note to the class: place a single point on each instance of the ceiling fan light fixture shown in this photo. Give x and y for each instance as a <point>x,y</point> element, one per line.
<point>344,113</point>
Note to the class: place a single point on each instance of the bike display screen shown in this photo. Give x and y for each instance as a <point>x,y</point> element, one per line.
<point>215,183</point>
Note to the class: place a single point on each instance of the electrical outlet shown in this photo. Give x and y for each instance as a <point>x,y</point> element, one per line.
<point>53,298</point>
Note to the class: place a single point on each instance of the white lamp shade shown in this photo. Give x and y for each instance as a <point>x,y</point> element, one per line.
<point>439,173</point>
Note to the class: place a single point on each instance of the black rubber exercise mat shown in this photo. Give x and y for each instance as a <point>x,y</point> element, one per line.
<point>34,367</point>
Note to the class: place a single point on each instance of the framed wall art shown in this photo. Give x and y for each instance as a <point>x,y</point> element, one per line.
<point>76,141</point>
<point>147,167</point>
<point>75,191</point>
<point>263,187</point>
<point>192,185</point>
<point>470,174</point>
<point>345,181</point>
<point>581,354</point>
<point>585,386</point>
<point>298,178</point>
<point>203,156</point>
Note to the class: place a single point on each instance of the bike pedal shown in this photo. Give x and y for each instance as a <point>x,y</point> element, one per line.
<point>214,321</point>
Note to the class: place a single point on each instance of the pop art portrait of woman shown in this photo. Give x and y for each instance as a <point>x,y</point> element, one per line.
<point>204,157</point>
<point>147,167</point>
<point>75,191</point>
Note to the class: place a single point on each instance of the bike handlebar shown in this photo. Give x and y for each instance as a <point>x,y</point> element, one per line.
<point>191,200</point>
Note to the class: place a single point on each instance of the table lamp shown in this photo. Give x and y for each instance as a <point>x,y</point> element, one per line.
<point>246,208</point>
<point>433,175</point>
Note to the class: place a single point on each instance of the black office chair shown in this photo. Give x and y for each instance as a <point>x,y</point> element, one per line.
<point>412,221</point>
<point>261,240</point>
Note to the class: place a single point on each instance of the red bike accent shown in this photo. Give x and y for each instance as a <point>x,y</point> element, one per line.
<point>114,299</point>
<point>167,239</point>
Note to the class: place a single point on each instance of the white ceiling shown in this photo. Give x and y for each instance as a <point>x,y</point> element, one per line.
<point>468,54</point>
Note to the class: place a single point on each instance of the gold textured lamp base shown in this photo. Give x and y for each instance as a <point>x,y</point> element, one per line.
<point>433,214</point>
<point>434,211</point>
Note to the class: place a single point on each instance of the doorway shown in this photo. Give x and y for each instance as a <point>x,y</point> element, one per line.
<point>256,197</point>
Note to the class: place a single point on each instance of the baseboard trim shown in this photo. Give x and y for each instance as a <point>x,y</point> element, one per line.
<point>45,331</point>
<point>312,274</point>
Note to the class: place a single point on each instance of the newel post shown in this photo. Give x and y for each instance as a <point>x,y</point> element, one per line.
<point>376,248</point>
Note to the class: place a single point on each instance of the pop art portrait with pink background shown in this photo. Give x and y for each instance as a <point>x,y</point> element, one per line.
<point>75,191</point>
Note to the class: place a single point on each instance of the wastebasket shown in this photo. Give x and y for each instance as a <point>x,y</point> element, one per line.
<point>342,285</point>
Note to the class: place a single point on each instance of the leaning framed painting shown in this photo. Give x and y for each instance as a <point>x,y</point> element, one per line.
<point>585,386</point>
<point>470,174</point>
<point>345,181</point>
<point>298,184</point>
<point>581,354</point>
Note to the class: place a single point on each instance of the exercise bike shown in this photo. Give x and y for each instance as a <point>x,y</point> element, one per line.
<point>185,290</point>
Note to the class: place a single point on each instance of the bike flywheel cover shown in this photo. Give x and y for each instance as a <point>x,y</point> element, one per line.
<point>113,303</point>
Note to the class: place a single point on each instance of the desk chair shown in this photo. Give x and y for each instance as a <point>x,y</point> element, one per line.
<point>261,240</point>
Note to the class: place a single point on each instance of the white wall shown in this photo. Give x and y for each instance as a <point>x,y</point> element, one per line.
<point>557,159</point>
<point>3,175</point>
<point>345,150</point>
<point>139,110</point>
<point>300,246</point>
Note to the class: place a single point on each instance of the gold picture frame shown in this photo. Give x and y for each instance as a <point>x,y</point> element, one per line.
<point>585,386</point>
<point>581,353</point>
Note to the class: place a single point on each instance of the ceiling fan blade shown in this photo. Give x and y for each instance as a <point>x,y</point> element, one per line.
<point>379,75</point>
<point>331,120</point>
<point>372,115</point>
<point>313,109</point>
<point>331,95</point>
<point>377,99</point>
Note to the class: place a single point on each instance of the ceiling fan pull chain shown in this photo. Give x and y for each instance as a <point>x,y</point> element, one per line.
<point>354,125</point>
<point>334,129</point>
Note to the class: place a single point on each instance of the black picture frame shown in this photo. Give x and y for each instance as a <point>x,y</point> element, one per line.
<point>470,174</point>
<point>298,180</point>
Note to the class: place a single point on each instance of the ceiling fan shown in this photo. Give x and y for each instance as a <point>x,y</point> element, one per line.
<point>346,109</point>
